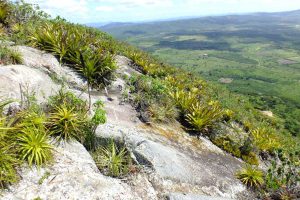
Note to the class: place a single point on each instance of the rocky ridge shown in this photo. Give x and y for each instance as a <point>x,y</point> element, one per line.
<point>173,165</point>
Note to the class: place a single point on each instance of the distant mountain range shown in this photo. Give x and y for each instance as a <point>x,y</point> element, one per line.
<point>109,25</point>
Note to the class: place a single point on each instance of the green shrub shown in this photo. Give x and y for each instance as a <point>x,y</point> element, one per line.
<point>66,124</point>
<point>8,163</point>
<point>8,56</point>
<point>203,115</point>
<point>100,114</point>
<point>285,172</point>
<point>70,100</point>
<point>251,176</point>
<point>113,160</point>
<point>33,146</point>
<point>150,98</point>
<point>90,140</point>
<point>5,10</point>
<point>265,139</point>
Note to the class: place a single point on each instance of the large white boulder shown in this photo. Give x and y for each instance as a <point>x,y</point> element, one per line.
<point>73,175</point>
<point>18,79</point>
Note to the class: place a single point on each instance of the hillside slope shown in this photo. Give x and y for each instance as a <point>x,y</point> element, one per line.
<point>85,116</point>
<point>256,54</point>
<point>169,163</point>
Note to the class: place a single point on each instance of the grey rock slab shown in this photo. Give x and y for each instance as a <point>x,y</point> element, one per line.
<point>73,175</point>
<point>124,66</point>
<point>179,196</point>
<point>213,172</point>
<point>14,78</point>
<point>47,62</point>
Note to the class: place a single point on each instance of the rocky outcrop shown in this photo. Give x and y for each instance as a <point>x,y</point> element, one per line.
<point>173,164</point>
<point>18,80</point>
<point>73,175</point>
<point>178,196</point>
<point>200,170</point>
<point>49,64</point>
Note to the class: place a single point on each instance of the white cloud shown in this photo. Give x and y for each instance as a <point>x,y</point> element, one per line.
<point>135,3</point>
<point>77,7</point>
<point>135,10</point>
<point>105,8</point>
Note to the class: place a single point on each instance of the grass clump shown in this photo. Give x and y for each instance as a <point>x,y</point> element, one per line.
<point>9,56</point>
<point>204,115</point>
<point>8,164</point>
<point>151,99</point>
<point>113,160</point>
<point>251,176</point>
<point>33,146</point>
<point>66,124</point>
<point>265,139</point>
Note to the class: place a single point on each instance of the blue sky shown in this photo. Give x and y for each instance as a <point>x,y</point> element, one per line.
<point>87,11</point>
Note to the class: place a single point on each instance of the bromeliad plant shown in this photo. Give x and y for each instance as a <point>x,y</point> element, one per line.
<point>265,139</point>
<point>251,176</point>
<point>76,46</point>
<point>203,115</point>
<point>33,146</point>
<point>113,160</point>
<point>66,124</point>
<point>8,164</point>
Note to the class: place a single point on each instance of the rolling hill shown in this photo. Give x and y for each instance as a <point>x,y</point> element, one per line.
<point>256,55</point>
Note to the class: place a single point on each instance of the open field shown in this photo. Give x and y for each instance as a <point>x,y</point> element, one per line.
<point>259,54</point>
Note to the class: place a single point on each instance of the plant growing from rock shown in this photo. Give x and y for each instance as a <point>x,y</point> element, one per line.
<point>265,139</point>
<point>283,177</point>
<point>251,176</point>
<point>90,140</point>
<point>184,99</point>
<point>112,160</point>
<point>8,158</point>
<point>8,164</point>
<point>203,115</point>
<point>151,99</point>
<point>9,56</point>
<point>66,124</point>
<point>33,146</point>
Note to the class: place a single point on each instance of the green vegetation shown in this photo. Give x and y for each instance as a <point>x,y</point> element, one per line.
<point>66,124</point>
<point>77,46</point>
<point>151,100</point>
<point>251,176</point>
<point>258,55</point>
<point>162,94</point>
<point>44,177</point>
<point>204,115</point>
<point>283,174</point>
<point>113,160</point>
<point>279,182</point>
<point>9,56</point>
<point>27,135</point>
<point>34,147</point>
